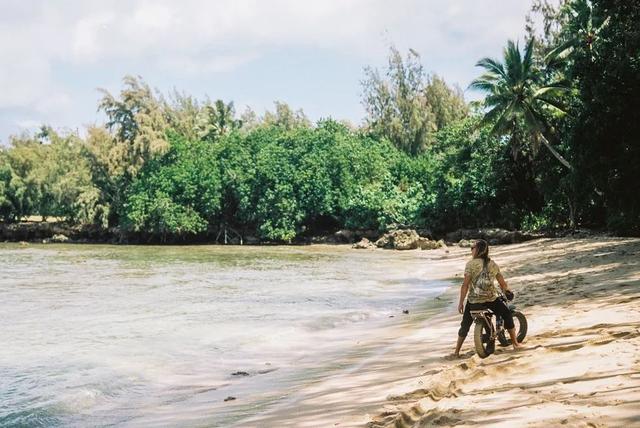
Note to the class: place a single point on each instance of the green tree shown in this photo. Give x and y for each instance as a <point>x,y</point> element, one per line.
<point>69,191</point>
<point>517,99</point>
<point>446,103</point>
<point>10,207</point>
<point>285,117</point>
<point>407,106</point>
<point>46,174</point>
<point>178,193</point>
<point>605,135</point>
<point>472,180</point>
<point>26,187</point>
<point>184,114</point>
<point>139,123</point>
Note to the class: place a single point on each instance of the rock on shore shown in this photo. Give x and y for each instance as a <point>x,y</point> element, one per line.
<point>406,239</point>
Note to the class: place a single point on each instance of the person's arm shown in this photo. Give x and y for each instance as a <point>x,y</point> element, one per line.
<point>463,292</point>
<point>503,284</point>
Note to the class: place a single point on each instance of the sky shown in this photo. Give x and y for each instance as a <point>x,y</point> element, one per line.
<point>311,54</point>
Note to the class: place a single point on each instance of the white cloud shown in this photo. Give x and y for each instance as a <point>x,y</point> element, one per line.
<point>28,124</point>
<point>186,65</point>
<point>198,37</point>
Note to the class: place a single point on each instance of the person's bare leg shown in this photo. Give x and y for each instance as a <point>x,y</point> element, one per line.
<point>458,346</point>
<point>514,338</point>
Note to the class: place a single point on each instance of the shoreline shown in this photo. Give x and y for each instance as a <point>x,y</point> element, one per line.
<point>581,365</point>
<point>308,406</point>
<point>60,232</point>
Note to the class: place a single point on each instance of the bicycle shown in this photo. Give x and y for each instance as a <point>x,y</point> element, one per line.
<point>486,331</point>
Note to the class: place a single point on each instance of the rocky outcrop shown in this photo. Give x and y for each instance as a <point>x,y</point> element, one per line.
<point>428,244</point>
<point>400,239</point>
<point>363,244</point>
<point>406,239</point>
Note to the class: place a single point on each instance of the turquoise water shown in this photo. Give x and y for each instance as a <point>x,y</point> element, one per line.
<point>96,335</point>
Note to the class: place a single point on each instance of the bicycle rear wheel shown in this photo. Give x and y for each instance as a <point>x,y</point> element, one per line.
<point>485,345</point>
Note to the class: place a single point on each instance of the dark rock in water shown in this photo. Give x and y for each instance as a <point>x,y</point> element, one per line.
<point>240,374</point>
<point>406,311</point>
<point>229,398</point>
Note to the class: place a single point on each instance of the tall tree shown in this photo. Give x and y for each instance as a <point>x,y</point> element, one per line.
<point>285,117</point>
<point>517,96</point>
<point>138,121</point>
<point>407,106</point>
<point>606,136</point>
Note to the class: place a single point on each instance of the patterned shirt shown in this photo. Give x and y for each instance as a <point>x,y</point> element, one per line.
<point>481,287</point>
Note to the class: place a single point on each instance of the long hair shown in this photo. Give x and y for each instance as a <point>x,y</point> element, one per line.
<point>482,251</point>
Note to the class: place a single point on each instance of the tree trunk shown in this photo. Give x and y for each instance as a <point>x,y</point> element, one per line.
<point>572,213</point>
<point>553,151</point>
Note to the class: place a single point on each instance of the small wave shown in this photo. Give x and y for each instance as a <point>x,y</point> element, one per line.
<point>335,321</point>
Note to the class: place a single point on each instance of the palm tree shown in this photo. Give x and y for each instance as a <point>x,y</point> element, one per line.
<point>218,120</point>
<point>584,29</point>
<point>515,96</point>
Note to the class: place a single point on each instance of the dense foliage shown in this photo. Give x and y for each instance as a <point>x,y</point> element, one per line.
<point>554,144</point>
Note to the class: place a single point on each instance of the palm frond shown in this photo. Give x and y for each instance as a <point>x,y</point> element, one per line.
<point>555,89</point>
<point>513,63</point>
<point>558,55</point>
<point>527,62</point>
<point>554,104</point>
<point>488,82</point>
<point>493,66</point>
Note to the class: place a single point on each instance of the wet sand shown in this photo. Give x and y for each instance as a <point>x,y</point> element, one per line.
<point>580,368</point>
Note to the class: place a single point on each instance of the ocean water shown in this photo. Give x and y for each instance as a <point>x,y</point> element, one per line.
<point>98,335</point>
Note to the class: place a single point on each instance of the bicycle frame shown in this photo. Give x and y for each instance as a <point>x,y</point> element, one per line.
<point>486,315</point>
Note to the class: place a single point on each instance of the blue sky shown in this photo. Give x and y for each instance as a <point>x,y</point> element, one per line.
<point>310,54</point>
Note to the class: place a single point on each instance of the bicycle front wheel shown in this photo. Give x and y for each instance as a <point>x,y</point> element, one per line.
<point>521,326</point>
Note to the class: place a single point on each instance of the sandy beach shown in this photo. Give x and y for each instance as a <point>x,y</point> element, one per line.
<point>580,368</point>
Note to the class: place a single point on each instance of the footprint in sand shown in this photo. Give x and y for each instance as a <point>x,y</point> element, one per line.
<point>565,348</point>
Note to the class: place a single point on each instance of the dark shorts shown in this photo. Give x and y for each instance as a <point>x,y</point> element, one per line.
<point>497,306</point>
